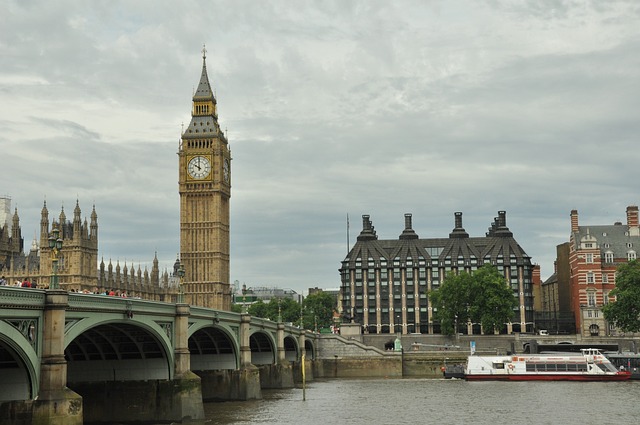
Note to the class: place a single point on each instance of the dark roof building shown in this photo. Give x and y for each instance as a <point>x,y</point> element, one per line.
<point>385,282</point>
<point>594,254</point>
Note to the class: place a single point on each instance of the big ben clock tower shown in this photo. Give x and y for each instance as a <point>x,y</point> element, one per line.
<point>205,188</point>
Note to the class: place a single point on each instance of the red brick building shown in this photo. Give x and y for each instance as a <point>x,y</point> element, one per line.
<point>595,251</point>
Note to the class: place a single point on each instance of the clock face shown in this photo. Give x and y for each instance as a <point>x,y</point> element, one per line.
<point>199,167</point>
<point>226,171</point>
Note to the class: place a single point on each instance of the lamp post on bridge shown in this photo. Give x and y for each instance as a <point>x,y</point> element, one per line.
<point>180,288</point>
<point>279,311</point>
<point>55,243</point>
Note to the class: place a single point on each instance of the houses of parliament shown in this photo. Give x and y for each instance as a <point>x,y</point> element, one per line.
<point>200,275</point>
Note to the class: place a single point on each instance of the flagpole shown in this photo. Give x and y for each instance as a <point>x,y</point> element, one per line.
<point>347,233</point>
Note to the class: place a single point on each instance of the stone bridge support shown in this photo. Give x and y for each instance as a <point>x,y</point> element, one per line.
<point>249,375</point>
<point>280,374</point>
<point>187,387</point>
<point>56,404</point>
<point>303,359</point>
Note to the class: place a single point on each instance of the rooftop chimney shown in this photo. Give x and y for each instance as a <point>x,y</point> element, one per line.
<point>368,231</point>
<point>408,232</point>
<point>574,221</point>
<point>458,230</point>
<point>632,220</point>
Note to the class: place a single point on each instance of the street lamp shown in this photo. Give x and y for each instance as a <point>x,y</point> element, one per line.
<point>244,299</point>
<point>180,289</point>
<point>279,311</point>
<point>55,243</point>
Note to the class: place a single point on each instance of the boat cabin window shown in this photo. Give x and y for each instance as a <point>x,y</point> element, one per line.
<point>556,367</point>
<point>497,365</point>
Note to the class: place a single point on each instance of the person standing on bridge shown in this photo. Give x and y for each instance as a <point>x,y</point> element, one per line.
<point>3,281</point>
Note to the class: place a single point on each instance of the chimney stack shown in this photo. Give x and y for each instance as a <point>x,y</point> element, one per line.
<point>574,221</point>
<point>407,221</point>
<point>632,220</point>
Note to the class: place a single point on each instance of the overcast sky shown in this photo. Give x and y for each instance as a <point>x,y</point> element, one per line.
<point>332,108</point>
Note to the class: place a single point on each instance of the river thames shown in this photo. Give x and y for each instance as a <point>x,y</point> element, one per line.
<point>437,401</point>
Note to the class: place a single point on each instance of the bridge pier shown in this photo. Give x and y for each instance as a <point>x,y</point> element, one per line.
<point>187,389</point>
<point>56,404</point>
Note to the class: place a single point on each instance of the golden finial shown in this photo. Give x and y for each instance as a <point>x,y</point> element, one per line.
<point>204,51</point>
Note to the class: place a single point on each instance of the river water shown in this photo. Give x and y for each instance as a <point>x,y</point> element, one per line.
<point>437,401</point>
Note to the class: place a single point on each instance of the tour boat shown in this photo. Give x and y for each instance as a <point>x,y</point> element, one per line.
<point>626,360</point>
<point>589,365</point>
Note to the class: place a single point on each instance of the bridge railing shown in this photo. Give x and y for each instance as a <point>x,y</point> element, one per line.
<point>16,297</point>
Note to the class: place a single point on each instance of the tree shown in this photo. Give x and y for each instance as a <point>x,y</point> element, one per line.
<point>258,309</point>
<point>482,297</point>
<point>624,312</point>
<point>493,300</point>
<point>286,308</point>
<point>451,301</point>
<point>318,308</point>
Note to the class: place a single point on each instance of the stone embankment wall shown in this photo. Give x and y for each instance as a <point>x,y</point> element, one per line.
<point>423,355</point>
<point>338,357</point>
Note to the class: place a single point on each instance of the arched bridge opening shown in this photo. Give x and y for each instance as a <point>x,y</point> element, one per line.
<point>116,352</point>
<point>212,349</point>
<point>16,382</point>
<point>262,349</point>
<point>113,363</point>
<point>291,352</point>
<point>215,359</point>
<point>309,350</point>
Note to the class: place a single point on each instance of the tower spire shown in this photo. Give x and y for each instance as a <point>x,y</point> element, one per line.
<point>204,92</point>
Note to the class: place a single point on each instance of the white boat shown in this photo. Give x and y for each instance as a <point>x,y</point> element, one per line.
<point>589,365</point>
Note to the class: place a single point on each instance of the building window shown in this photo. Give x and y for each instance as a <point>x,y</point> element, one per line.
<point>631,255</point>
<point>591,299</point>
<point>608,257</point>
<point>591,277</point>
<point>605,278</point>
<point>588,245</point>
<point>589,258</point>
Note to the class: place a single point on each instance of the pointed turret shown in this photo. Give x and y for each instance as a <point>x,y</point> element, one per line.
<point>62,219</point>
<point>15,229</point>
<point>204,115</point>
<point>204,88</point>
<point>77,222</point>
<point>155,271</point>
<point>94,224</point>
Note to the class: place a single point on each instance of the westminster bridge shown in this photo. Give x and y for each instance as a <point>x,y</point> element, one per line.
<point>66,358</point>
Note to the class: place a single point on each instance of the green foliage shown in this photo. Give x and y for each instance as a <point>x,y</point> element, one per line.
<point>624,312</point>
<point>493,300</point>
<point>236,308</point>
<point>482,297</point>
<point>318,308</point>
<point>258,309</point>
<point>451,301</point>
<point>288,309</point>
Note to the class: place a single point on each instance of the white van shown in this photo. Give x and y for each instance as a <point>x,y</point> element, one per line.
<point>543,332</point>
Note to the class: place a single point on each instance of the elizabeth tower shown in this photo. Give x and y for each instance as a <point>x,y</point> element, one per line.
<point>205,188</point>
